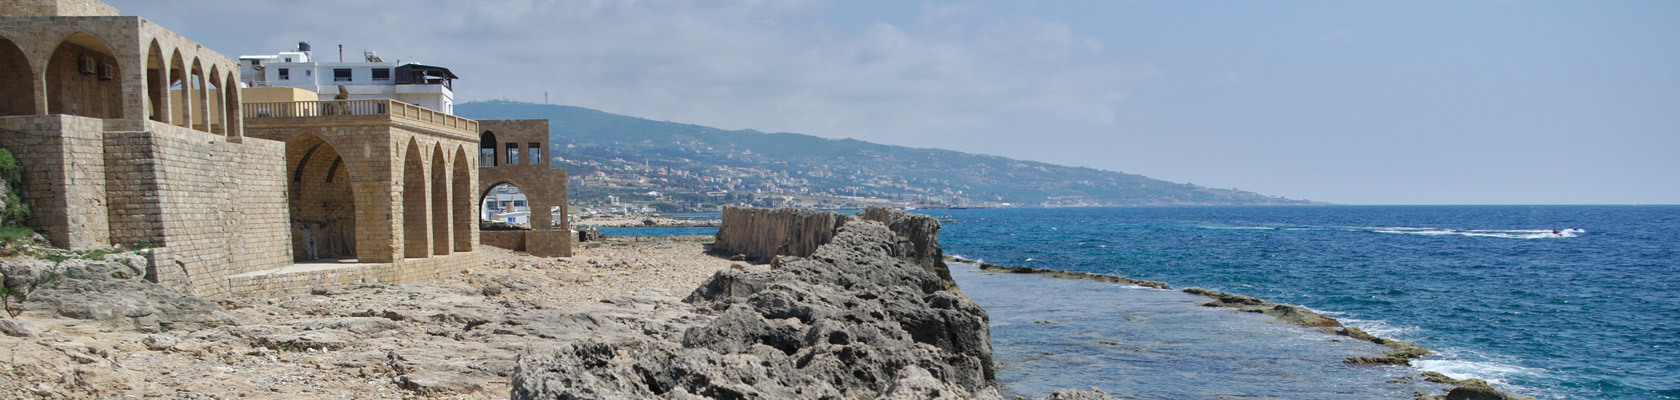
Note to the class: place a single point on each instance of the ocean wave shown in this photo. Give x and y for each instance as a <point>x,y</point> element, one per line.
<point>1498,374</point>
<point>1493,233</point>
<point>1379,328</point>
<point>1236,228</point>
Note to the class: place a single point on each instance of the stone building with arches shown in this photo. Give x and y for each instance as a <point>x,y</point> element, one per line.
<point>129,134</point>
<point>516,152</point>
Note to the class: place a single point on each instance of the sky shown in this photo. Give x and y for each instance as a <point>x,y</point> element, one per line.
<point>1369,102</point>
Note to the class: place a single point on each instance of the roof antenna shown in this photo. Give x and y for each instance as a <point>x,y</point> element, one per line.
<point>341,53</point>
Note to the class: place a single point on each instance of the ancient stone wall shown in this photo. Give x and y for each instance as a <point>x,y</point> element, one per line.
<point>52,8</point>
<point>761,234</point>
<point>221,205</point>
<point>511,240</point>
<point>63,167</point>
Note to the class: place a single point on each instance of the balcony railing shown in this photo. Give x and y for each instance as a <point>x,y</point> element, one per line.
<point>329,108</point>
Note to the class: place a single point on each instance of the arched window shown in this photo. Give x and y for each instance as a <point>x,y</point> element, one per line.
<point>83,79</point>
<point>180,112</point>
<point>505,207</point>
<point>17,83</point>
<point>212,91</point>
<point>230,110</point>
<point>461,190</point>
<point>487,149</point>
<point>157,85</point>
<point>414,204</point>
<point>200,99</point>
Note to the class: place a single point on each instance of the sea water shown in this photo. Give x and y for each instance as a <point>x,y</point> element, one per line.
<point>1591,311</point>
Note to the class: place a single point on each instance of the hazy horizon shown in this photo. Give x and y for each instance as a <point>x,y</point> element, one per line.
<point>1487,102</point>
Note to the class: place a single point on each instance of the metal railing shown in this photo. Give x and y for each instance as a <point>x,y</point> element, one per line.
<point>329,108</point>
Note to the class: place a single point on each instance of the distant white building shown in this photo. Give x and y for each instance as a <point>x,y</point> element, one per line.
<point>369,77</point>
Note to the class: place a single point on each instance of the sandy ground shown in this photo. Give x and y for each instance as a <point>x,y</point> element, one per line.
<point>454,339</point>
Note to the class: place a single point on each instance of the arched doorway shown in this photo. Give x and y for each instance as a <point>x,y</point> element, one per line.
<point>17,81</point>
<point>504,207</point>
<point>487,149</point>
<point>414,204</point>
<point>322,202</point>
<point>157,85</point>
<point>461,188</point>
<point>441,242</point>
<point>83,79</point>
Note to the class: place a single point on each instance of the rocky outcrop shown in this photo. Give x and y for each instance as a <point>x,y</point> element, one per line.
<point>923,233</point>
<point>106,287</point>
<point>858,318</point>
<point>761,234</point>
<point>1056,273</point>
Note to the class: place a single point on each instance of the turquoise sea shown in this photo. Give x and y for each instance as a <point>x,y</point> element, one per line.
<point>1591,312</point>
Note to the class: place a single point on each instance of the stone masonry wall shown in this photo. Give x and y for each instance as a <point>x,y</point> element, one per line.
<point>544,185</point>
<point>221,205</point>
<point>64,183</point>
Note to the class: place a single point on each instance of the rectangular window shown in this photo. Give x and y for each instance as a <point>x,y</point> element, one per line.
<point>536,153</point>
<point>341,74</point>
<point>285,74</point>
<point>512,153</point>
<point>381,74</point>
<point>288,59</point>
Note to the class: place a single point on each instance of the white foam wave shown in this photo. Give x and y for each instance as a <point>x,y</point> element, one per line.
<point>1495,373</point>
<point>1493,233</point>
<point>1228,227</point>
<point>1380,328</point>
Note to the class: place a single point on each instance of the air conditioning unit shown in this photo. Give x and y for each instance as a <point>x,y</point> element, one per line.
<point>107,72</point>
<point>86,65</point>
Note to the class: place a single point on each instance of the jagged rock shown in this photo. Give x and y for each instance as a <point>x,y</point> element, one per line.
<point>1472,389</point>
<point>761,234</point>
<point>20,328</point>
<point>1070,394</point>
<point>160,342</point>
<point>858,318</point>
<point>1377,360</point>
<point>110,291</point>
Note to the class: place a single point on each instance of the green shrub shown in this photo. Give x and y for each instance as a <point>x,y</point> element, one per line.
<point>16,212</point>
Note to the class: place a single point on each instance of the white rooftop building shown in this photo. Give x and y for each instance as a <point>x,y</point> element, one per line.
<point>367,78</point>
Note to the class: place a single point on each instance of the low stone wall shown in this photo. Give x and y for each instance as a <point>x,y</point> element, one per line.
<point>511,240</point>
<point>761,234</point>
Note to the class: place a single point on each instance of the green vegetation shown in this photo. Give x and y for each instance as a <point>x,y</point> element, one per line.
<point>16,212</point>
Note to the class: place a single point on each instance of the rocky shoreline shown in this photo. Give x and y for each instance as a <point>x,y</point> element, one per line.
<point>1400,353</point>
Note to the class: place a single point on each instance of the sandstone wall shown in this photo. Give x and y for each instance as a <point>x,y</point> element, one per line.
<point>544,185</point>
<point>761,234</point>
<point>215,208</point>
<point>63,166</point>
<point>511,240</point>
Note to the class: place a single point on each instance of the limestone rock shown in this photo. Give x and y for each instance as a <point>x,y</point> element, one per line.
<point>20,328</point>
<point>858,318</point>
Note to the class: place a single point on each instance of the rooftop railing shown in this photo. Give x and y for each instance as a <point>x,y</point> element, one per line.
<point>330,108</point>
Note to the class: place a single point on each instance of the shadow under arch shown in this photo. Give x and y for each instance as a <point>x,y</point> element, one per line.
<point>441,241</point>
<point>414,204</point>
<point>84,79</point>
<point>17,80</point>
<point>461,194</point>
<point>321,199</point>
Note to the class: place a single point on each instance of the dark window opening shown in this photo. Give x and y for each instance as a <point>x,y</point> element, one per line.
<point>512,153</point>
<point>535,149</point>
<point>285,74</point>
<point>381,74</point>
<point>341,74</point>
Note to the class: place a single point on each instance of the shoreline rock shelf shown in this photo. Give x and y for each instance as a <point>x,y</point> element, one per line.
<point>1400,353</point>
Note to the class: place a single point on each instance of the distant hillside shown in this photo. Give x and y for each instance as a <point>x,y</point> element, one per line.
<point>686,161</point>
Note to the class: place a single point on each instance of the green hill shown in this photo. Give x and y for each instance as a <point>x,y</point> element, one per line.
<point>684,161</point>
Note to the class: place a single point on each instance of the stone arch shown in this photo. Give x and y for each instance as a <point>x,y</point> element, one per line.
<point>181,110</point>
<point>487,149</point>
<point>322,200</point>
<point>216,104</point>
<point>440,203</point>
<point>157,84</point>
<point>17,80</point>
<point>200,99</point>
<point>414,203</point>
<point>461,188</point>
<point>230,108</point>
<point>84,78</point>
<point>483,197</point>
